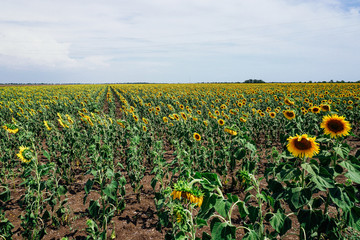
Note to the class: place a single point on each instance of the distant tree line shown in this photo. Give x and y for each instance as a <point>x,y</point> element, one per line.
<point>254,81</point>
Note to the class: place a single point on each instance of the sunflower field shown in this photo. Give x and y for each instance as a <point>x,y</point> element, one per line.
<point>180,161</point>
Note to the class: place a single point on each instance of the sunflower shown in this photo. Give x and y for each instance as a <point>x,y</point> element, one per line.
<point>25,154</point>
<point>221,122</point>
<point>197,136</point>
<point>315,109</point>
<point>145,120</point>
<point>176,117</point>
<point>325,107</point>
<point>205,123</point>
<point>165,119</point>
<point>121,123</point>
<point>230,131</point>
<point>335,125</point>
<point>11,128</point>
<point>183,115</point>
<point>288,102</point>
<point>135,118</point>
<point>47,126</point>
<point>303,146</point>
<point>272,114</point>
<point>144,128</point>
<point>289,114</point>
<point>62,123</point>
<point>243,120</point>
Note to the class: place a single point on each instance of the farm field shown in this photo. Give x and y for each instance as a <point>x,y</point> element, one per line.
<point>180,161</point>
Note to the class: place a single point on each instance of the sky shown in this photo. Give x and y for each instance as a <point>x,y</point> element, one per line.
<point>179,41</point>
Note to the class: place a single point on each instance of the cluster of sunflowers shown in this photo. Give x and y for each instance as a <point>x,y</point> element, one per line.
<point>305,146</point>
<point>185,191</point>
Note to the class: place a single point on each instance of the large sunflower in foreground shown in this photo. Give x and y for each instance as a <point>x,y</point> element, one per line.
<point>303,146</point>
<point>335,125</point>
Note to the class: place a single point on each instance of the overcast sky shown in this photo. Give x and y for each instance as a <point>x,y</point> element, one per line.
<point>87,41</point>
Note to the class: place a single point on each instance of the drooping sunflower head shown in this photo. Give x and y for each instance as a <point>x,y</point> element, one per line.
<point>303,146</point>
<point>25,154</point>
<point>288,102</point>
<point>47,125</point>
<point>197,136</point>
<point>230,131</point>
<point>11,128</point>
<point>335,125</point>
<point>289,114</point>
<point>145,120</point>
<point>325,107</point>
<point>242,120</point>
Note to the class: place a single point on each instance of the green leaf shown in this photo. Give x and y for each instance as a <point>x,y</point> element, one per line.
<point>5,195</point>
<point>94,209</point>
<point>222,207</point>
<point>353,171</point>
<point>339,151</point>
<point>300,196</point>
<point>87,188</point>
<point>340,198</point>
<point>251,235</point>
<point>221,230</point>
<point>201,222</point>
<point>109,173</point>
<point>280,222</point>
<point>240,153</point>
<point>111,189</point>
<point>253,213</point>
<point>61,190</point>
<point>250,146</point>
<point>46,154</point>
<point>320,176</point>
<point>242,209</point>
<point>206,236</point>
<point>353,218</point>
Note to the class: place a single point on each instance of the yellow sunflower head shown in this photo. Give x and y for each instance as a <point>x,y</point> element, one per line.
<point>289,114</point>
<point>335,125</point>
<point>25,154</point>
<point>221,122</point>
<point>272,114</point>
<point>315,109</point>
<point>303,146</point>
<point>197,136</point>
